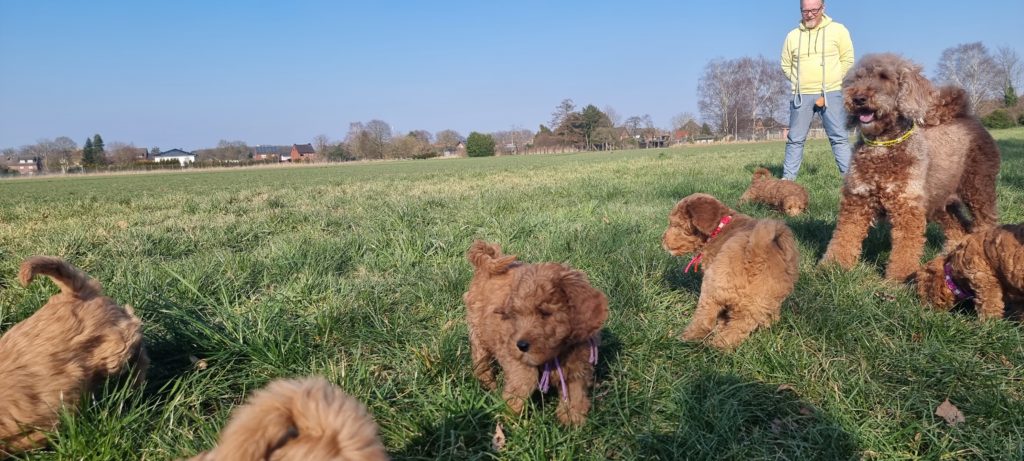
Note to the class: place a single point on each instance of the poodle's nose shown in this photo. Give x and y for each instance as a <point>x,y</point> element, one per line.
<point>523,345</point>
<point>860,100</point>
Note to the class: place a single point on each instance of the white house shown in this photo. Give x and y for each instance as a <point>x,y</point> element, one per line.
<point>178,155</point>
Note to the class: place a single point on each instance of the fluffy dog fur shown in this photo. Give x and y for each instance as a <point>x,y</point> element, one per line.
<point>525,315</point>
<point>73,343</point>
<point>989,263</point>
<point>750,267</point>
<point>950,160</point>
<point>298,420</point>
<point>785,196</point>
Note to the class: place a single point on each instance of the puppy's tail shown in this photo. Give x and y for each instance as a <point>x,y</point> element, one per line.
<point>72,281</point>
<point>762,173</point>
<point>488,257</point>
<point>771,247</point>
<point>300,419</point>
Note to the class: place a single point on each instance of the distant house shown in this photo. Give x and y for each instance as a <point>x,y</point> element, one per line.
<point>271,154</point>
<point>303,153</point>
<point>177,155</point>
<point>26,166</point>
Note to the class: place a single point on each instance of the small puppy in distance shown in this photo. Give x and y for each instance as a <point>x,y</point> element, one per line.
<point>785,196</point>
<point>302,419</point>
<point>750,267</point>
<point>67,348</point>
<point>986,266</point>
<point>541,322</point>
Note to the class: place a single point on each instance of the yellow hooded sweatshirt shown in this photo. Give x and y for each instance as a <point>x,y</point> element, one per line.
<point>816,60</point>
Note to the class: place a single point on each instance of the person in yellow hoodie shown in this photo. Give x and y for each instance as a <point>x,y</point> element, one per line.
<point>815,57</point>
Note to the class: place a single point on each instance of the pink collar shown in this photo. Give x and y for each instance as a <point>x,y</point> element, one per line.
<point>695,262</point>
<point>961,294</point>
<point>545,377</point>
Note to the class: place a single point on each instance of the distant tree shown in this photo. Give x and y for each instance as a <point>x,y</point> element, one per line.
<point>613,115</point>
<point>706,130</point>
<point>1010,67</point>
<point>479,145</point>
<point>591,120</point>
<point>1010,96</point>
<point>124,154</point>
<point>321,143</point>
<point>448,139</point>
<point>154,151</point>
<point>380,136</point>
<point>562,111</point>
<point>998,119</point>
<point>99,152</point>
<point>339,153</point>
<point>88,153</point>
<point>971,67</point>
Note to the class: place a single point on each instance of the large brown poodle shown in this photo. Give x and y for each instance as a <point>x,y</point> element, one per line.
<point>301,419</point>
<point>921,156</point>
<point>750,267</point>
<point>785,196</point>
<point>67,348</point>
<point>541,322</point>
<point>987,266</point>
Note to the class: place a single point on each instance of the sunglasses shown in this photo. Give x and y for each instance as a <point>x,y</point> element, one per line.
<point>812,12</point>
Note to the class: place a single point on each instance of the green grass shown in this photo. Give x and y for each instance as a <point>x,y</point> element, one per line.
<point>355,272</point>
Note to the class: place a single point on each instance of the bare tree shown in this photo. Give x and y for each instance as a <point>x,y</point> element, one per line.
<point>613,115</point>
<point>717,94</point>
<point>765,87</point>
<point>380,136</point>
<point>633,126</point>
<point>562,111</point>
<point>971,67</point>
<point>680,121</point>
<point>448,139</point>
<point>1010,67</point>
<point>120,153</point>
<point>321,143</point>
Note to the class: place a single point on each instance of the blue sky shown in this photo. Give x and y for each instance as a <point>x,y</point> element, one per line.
<point>189,73</point>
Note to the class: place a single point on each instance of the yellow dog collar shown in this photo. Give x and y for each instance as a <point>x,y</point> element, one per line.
<point>891,142</point>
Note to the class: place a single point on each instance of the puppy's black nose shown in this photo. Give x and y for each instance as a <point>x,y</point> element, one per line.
<point>860,100</point>
<point>523,345</point>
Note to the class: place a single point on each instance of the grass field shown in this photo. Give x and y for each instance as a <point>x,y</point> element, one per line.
<point>356,272</point>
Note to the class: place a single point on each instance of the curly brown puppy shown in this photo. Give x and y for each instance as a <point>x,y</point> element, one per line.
<point>986,266</point>
<point>750,267</point>
<point>921,156</point>
<point>785,196</point>
<point>541,322</point>
<point>68,347</point>
<point>300,419</point>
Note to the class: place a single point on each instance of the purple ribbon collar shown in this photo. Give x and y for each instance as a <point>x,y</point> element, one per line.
<point>545,377</point>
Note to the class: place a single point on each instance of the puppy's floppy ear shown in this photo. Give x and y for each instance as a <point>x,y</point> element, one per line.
<point>915,92</point>
<point>588,305</point>
<point>704,213</point>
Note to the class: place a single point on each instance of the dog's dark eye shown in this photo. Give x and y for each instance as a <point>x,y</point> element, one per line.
<point>545,314</point>
<point>504,315</point>
<point>883,76</point>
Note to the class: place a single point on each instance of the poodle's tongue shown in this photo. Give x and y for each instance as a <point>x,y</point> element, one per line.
<point>867,118</point>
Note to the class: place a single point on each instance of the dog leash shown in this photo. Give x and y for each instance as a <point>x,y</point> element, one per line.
<point>961,294</point>
<point>695,262</point>
<point>545,378</point>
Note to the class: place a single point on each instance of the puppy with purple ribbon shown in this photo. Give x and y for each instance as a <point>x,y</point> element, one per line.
<point>986,267</point>
<point>542,324</point>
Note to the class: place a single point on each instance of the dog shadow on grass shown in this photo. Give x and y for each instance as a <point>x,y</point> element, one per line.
<point>726,416</point>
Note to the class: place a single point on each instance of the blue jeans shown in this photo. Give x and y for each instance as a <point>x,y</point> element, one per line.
<point>833,118</point>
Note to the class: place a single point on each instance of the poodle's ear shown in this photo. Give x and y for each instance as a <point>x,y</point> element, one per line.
<point>488,257</point>
<point>588,305</point>
<point>704,213</point>
<point>915,92</point>
<point>264,424</point>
